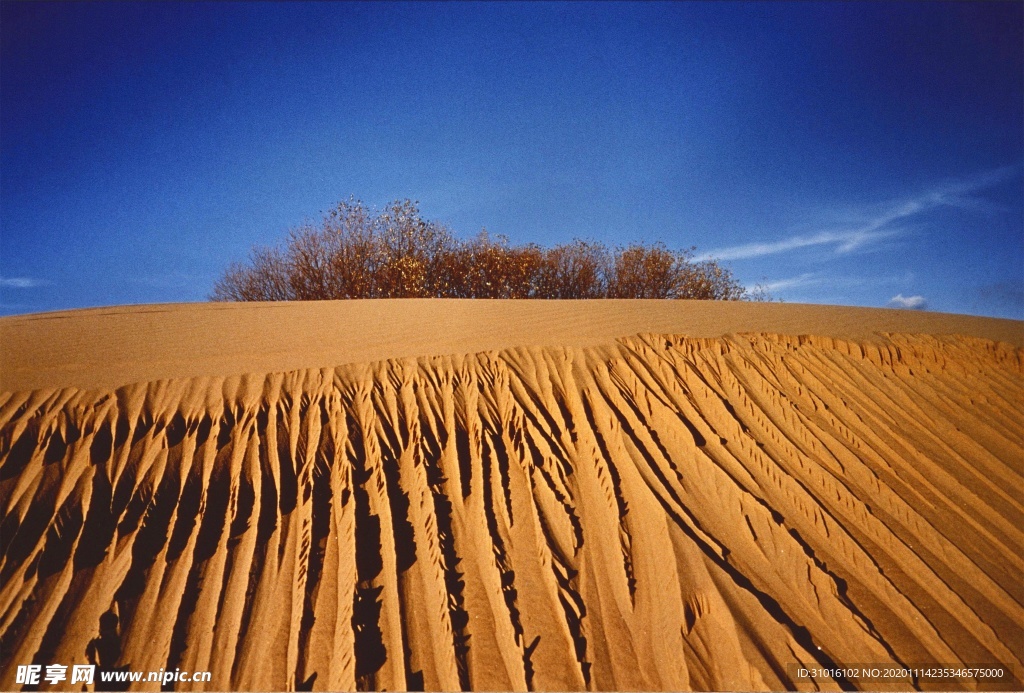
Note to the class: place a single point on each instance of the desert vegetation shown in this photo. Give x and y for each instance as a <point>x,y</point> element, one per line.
<point>358,253</point>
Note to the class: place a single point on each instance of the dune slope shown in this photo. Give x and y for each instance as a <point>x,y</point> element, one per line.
<point>658,513</point>
<point>103,348</point>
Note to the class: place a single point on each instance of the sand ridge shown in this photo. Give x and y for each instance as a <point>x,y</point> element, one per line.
<point>661,512</point>
<point>110,347</point>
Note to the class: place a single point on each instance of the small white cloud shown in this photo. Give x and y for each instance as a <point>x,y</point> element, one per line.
<point>20,282</point>
<point>908,302</point>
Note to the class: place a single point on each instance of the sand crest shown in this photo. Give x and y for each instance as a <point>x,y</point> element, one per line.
<point>620,495</point>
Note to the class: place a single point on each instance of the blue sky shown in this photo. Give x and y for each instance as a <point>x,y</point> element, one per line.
<point>850,153</point>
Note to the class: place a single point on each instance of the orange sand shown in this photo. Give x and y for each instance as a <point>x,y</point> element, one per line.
<point>629,495</point>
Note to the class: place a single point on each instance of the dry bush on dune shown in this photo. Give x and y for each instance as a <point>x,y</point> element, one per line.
<point>355,253</point>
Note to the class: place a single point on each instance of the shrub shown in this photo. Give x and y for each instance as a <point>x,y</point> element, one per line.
<point>355,253</point>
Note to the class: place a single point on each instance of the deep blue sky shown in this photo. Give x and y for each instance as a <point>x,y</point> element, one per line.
<point>842,153</point>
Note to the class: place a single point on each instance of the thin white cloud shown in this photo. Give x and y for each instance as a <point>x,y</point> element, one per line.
<point>844,242</point>
<point>834,281</point>
<point>806,279</point>
<point>878,225</point>
<point>908,302</point>
<point>960,193</point>
<point>20,282</point>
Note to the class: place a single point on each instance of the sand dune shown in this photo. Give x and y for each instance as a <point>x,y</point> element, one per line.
<point>521,496</point>
<point>110,347</point>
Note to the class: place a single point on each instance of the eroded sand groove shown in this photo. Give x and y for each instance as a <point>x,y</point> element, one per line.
<point>665,513</point>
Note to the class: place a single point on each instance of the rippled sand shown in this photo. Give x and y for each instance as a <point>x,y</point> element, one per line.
<point>628,495</point>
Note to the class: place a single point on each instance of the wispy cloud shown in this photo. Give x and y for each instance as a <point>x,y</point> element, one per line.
<point>908,302</point>
<point>874,226</point>
<point>833,281</point>
<point>806,279</point>
<point>21,282</point>
<point>961,193</point>
<point>844,242</point>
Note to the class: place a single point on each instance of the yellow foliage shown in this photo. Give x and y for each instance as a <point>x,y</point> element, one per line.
<point>395,253</point>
